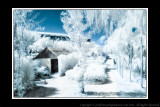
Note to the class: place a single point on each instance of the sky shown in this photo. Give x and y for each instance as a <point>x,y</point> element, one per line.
<point>52,23</point>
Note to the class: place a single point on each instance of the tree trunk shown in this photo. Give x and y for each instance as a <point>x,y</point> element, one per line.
<point>19,52</point>
<point>142,50</point>
<point>130,70</point>
<point>122,68</point>
<point>79,42</point>
<point>119,65</point>
<point>14,36</point>
<point>145,67</point>
<point>141,63</point>
<point>116,63</point>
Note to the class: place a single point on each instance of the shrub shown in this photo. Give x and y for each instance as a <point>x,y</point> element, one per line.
<point>66,62</point>
<point>23,80</point>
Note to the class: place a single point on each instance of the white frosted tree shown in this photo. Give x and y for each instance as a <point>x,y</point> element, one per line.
<point>129,39</point>
<point>23,37</point>
<point>125,30</point>
<point>84,23</point>
<point>73,24</point>
<point>143,51</point>
<point>103,20</point>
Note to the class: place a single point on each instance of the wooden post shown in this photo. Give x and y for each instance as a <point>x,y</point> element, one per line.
<point>54,65</point>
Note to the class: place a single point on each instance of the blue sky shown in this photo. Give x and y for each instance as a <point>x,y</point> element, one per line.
<point>52,22</point>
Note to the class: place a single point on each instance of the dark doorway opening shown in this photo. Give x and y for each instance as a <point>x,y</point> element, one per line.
<point>54,65</point>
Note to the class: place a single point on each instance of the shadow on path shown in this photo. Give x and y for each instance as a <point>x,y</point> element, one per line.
<point>108,80</point>
<point>131,94</point>
<point>118,94</point>
<point>40,91</point>
<point>102,94</point>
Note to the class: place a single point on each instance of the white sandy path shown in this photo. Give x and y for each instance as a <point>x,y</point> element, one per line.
<point>70,88</point>
<point>65,87</point>
<point>104,88</point>
<point>117,85</point>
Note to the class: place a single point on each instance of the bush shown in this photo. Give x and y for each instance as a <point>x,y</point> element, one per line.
<point>67,62</point>
<point>27,72</point>
<point>23,80</point>
<point>43,73</point>
<point>19,89</point>
<point>75,74</point>
<point>95,73</point>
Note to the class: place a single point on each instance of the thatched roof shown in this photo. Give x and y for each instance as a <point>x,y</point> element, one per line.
<point>51,53</point>
<point>58,52</point>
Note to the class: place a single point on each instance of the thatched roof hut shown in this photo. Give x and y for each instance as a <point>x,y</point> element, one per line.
<point>52,54</point>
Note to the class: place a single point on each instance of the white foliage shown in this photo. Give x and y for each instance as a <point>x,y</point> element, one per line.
<point>77,22</point>
<point>95,73</point>
<point>45,64</point>
<point>66,62</point>
<point>19,89</point>
<point>23,81</point>
<point>124,35</point>
<point>27,70</point>
<point>23,37</point>
<point>42,43</point>
<point>76,73</point>
<point>96,51</point>
<point>129,32</point>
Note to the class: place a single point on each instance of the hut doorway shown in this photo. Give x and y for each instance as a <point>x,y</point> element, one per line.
<point>54,65</point>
